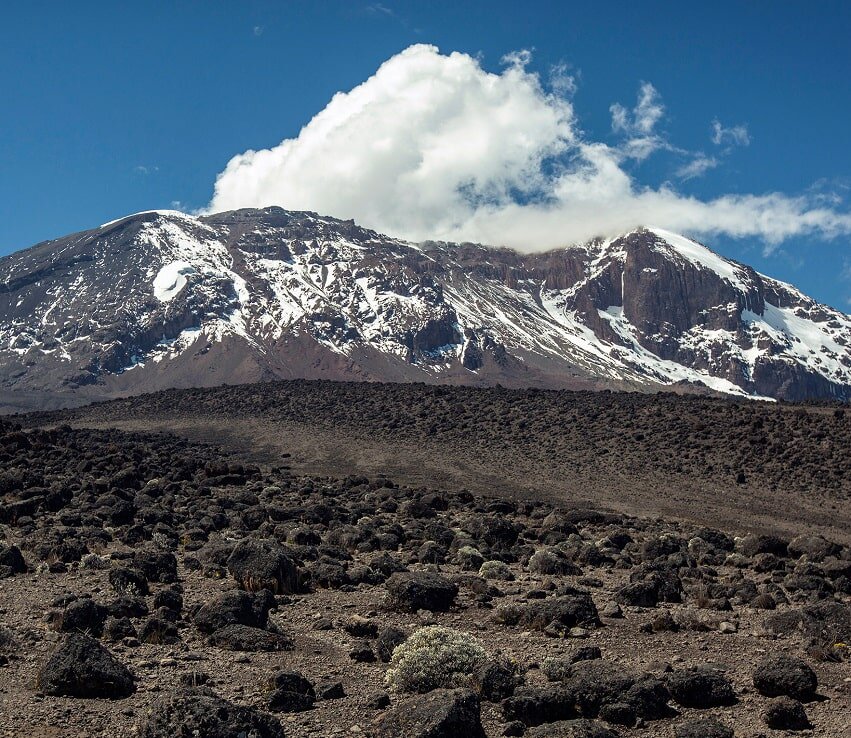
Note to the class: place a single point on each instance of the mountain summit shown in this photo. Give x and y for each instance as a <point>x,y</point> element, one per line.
<point>162,299</point>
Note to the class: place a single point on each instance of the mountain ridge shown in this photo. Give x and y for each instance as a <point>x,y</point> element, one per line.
<point>162,298</point>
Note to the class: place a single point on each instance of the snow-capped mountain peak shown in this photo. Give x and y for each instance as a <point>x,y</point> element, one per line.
<point>162,298</point>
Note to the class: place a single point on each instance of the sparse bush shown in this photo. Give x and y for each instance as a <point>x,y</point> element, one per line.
<point>432,658</point>
<point>497,570</point>
<point>556,669</point>
<point>93,561</point>
<point>8,643</point>
<point>469,558</point>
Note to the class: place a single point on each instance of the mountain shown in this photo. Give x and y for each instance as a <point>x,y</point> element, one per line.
<point>162,299</point>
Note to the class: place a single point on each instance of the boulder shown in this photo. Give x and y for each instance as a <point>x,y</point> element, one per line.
<point>291,692</point>
<point>784,713</point>
<point>263,564</point>
<point>83,616</point>
<point>235,607</point>
<point>572,729</point>
<point>197,711</point>
<point>785,675</point>
<point>701,688</point>
<point>12,559</point>
<point>441,713</point>
<point>82,667</point>
<point>420,590</point>
<point>709,727</point>
<point>239,637</point>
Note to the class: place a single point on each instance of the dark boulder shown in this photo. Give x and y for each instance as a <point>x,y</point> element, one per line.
<point>82,667</point>
<point>389,637</point>
<point>496,679</point>
<point>197,711</point>
<point>552,562</point>
<point>785,675</point>
<point>703,728</point>
<point>128,581</point>
<point>572,729</point>
<point>158,632</point>
<point>247,638</point>
<point>420,590</point>
<point>291,692</point>
<point>263,564</point>
<point>701,688</point>
<point>12,559</point>
<point>442,713</point>
<point>156,566</point>
<point>564,612</point>
<point>235,607</point>
<point>83,616</point>
<point>784,713</point>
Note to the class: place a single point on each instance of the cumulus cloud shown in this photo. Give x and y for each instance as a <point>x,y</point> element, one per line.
<point>433,146</point>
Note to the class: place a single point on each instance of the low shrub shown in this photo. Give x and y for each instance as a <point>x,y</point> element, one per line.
<point>434,657</point>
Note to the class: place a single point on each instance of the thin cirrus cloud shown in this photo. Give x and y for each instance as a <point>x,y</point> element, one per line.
<point>432,146</point>
<point>734,135</point>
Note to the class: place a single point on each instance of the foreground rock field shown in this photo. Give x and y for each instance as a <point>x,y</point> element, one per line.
<point>156,587</point>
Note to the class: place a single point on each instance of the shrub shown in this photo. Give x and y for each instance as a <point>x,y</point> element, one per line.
<point>93,561</point>
<point>496,570</point>
<point>434,657</point>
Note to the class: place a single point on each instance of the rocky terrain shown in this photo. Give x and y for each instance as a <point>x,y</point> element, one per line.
<point>156,586</point>
<point>755,467</point>
<point>162,299</point>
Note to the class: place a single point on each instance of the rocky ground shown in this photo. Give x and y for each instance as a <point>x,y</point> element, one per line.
<point>153,587</point>
<point>747,467</point>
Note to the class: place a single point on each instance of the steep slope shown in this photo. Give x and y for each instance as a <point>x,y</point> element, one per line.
<point>163,299</point>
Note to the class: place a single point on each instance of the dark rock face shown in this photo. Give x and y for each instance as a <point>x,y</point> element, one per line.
<point>785,675</point>
<point>235,608</point>
<point>198,711</point>
<point>442,713</point>
<point>412,591</point>
<point>655,309</point>
<point>263,564</point>
<point>82,667</point>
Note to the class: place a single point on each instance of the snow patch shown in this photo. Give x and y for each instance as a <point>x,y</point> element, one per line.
<point>171,279</point>
<point>702,257</point>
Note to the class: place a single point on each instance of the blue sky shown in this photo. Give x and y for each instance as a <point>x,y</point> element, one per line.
<point>111,108</point>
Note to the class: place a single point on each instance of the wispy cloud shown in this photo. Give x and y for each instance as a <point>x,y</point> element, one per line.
<point>697,167</point>
<point>434,146</point>
<point>564,81</point>
<point>379,9</point>
<point>734,135</point>
<point>145,169</point>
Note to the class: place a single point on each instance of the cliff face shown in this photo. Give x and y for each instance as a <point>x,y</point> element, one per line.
<point>163,299</point>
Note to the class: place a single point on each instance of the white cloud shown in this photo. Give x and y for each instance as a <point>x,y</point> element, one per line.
<point>647,112</point>
<point>697,167</point>
<point>734,135</point>
<point>433,146</point>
